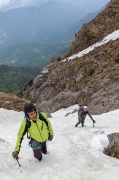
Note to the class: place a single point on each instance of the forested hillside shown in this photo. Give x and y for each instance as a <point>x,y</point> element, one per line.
<point>13,79</point>
<point>33,54</point>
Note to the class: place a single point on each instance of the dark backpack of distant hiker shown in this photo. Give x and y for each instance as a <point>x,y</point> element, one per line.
<point>80,108</point>
<point>28,123</point>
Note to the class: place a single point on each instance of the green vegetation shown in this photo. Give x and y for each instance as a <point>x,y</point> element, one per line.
<point>13,79</point>
<point>56,59</point>
<point>33,54</point>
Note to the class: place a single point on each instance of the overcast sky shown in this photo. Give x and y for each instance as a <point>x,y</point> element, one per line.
<point>30,2</point>
<point>4,2</point>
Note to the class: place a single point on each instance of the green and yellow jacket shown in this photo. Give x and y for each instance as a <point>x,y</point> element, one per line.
<point>38,131</point>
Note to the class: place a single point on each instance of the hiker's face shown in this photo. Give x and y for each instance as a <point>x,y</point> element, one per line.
<point>32,115</point>
<point>85,109</point>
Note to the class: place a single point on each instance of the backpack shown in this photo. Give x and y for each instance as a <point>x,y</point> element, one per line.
<point>80,108</point>
<point>28,123</point>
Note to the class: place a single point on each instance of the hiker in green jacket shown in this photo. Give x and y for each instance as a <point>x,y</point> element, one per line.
<point>39,128</point>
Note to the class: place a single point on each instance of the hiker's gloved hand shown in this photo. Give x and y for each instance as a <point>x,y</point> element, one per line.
<point>94,121</point>
<point>50,138</point>
<point>15,155</point>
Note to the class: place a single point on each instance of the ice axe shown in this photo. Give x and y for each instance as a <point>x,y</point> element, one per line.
<point>17,159</point>
<point>18,162</point>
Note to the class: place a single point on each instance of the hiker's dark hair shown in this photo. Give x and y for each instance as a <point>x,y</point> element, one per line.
<point>29,108</point>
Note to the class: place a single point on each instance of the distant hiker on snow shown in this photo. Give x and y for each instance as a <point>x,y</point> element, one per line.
<point>83,111</point>
<point>39,128</point>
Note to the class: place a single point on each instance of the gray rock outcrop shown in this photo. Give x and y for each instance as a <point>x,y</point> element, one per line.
<point>113,147</point>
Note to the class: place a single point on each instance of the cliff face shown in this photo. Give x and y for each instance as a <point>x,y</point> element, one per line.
<point>92,79</point>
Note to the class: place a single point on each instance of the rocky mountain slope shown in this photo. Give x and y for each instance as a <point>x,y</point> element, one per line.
<point>11,102</point>
<point>105,23</point>
<point>91,79</point>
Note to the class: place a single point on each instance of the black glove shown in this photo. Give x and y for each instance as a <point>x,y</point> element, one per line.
<point>94,121</point>
<point>50,137</point>
<point>15,155</point>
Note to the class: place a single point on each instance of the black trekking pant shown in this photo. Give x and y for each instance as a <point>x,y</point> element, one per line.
<point>80,121</point>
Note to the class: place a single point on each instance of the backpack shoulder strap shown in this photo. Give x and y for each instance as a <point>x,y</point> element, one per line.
<point>80,108</point>
<point>41,117</point>
<point>28,124</point>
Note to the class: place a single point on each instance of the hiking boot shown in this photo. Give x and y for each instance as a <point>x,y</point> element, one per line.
<point>94,121</point>
<point>44,148</point>
<point>44,152</point>
<point>40,158</point>
<point>82,125</point>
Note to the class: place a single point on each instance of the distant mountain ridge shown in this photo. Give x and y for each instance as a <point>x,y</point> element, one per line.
<point>43,25</point>
<point>35,25</point>
<point>77,26</point>
<point>87,5</point>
